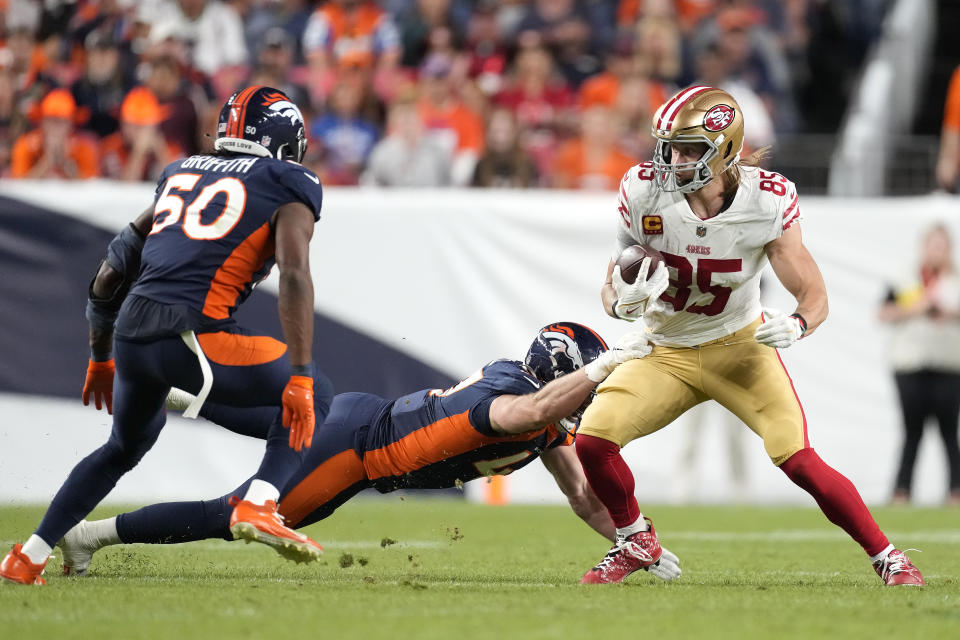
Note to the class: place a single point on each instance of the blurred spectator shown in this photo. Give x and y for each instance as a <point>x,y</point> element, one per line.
<point>948,164</point>
<point>635,108</point>
<point>604,88</point>
<point>423,21</point>
<point>138,151</point>
<point>351,33</point>
<point>542,102</point>
<point>100,90</point>
<point>659,49</point>
<point>563,27</point>
<point>688,12</point>
<point>504,163</point>
<point>274,67</point>
<point>486,48</point>
<point>714,71</point>
<point>211,30</point>
<point>448,121</point>
<point>182,123</point>
<point>344,136</point>
<point>925,354</point>
<point>8,110</point>
<point>593,160</point>
<point>54,150</point>
<point>407,157</point>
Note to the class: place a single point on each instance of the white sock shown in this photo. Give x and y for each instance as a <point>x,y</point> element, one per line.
<point>36,549</point>
<point>639,525</point>
<point>260,492</point>
<point>103,532</point>
<point>883,554</point>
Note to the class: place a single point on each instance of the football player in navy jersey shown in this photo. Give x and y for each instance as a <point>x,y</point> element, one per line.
<point>161,307</point>
<point>497,420</point>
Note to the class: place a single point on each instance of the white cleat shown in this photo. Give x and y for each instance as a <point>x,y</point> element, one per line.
<point>179,400</point>
<point>78,547</point>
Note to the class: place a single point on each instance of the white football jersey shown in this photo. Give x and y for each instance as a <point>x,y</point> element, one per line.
<point>714,264</point>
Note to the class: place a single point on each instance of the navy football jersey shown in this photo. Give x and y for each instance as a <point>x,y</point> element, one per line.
<point>434,438</point>
<point>211,240</point>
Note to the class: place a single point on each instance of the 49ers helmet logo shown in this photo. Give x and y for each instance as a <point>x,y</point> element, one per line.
<point>718,118</point>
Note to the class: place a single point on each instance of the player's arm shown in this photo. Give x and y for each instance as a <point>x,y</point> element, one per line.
<point>608,295</point>
<point>107,291</point>
<point>563,464</point>
<point>557,399</point>
<point>562,397</point>
<point>293,231</point>
<point>799,274</point>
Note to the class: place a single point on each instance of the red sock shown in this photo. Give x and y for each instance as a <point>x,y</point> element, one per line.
<point>838,498</point>
<point>609,477</point>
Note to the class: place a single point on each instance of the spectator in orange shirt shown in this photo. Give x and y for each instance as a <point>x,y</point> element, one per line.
<point>448,120</point>
<point>54,150</point>
<point>593,160</point>
<point>948,164</point>
<point>351,33</point>
<point>604,88</point>
<point>138,151</point>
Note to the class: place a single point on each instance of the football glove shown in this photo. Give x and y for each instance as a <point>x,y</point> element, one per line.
<point>298,411</point>
<point>778,329</point>
<point>667,567</point>
<point>632,299</point>
<point>99,384</point>
<point>631,346</point>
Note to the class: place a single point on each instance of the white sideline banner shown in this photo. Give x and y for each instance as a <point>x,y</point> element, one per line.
<point>456,278</point>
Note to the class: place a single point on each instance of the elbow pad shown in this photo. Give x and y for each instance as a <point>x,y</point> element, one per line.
<point>123,255</point>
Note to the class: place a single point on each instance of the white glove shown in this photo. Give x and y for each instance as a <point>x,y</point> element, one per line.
<point>632,298</point>
<point>631,346</point>
<point>667,567</point>
<point>778,329</point>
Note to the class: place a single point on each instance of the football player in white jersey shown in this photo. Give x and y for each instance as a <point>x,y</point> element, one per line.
<point>717,222</point>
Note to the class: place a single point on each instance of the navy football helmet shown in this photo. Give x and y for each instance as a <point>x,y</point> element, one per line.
<point>262,121</point>
<point>562,348</point>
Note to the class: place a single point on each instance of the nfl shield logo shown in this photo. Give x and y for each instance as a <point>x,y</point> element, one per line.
<point>701,231</point>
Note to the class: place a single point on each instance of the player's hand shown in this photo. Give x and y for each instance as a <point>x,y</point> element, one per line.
<point>632,298</point>
<point>298,411</point>
<point>778,329</point>
<point>99,384</point>
<point>631,346</point>
<point>667,567</point>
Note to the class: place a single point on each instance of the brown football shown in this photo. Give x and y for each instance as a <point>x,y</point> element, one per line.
<point>632,257</point>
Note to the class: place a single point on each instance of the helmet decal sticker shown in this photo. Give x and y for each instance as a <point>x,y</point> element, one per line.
<point>718,118</point>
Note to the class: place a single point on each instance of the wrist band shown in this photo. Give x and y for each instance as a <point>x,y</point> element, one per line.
<point>802,321</point>
<point>305,370</point>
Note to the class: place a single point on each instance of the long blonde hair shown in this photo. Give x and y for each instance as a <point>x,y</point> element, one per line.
<point>734,173</point>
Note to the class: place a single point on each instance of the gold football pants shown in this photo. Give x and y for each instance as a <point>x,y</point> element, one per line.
<point>748,378</point>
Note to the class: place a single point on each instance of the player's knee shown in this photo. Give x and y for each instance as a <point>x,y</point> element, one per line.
<point>593,451</point>
<point>124,455</point>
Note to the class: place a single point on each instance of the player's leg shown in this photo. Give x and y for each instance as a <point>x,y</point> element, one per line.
<point>331,474</point>
<point>914,396</point>
<point>751,381</point>
<point>638,398</point>
<point>252,371</point>
<point>137,421</point>
<point>946,392</point>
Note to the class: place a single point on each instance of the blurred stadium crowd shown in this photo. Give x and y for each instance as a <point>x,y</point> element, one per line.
<point>549,93</point>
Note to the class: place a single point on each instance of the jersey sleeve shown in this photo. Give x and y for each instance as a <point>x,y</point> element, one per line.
<point>162,180</point>
<point>636,188</point>
<point>302,185</point>
<point>789,206</point>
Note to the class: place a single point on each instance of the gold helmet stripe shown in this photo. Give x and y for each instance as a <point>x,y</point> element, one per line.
<point>673,106</point>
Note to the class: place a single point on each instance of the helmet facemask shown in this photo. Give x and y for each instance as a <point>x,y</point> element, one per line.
<point>665,172</point>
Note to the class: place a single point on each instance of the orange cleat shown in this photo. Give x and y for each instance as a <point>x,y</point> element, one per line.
<point>16,567</point>
<point>262,523</point>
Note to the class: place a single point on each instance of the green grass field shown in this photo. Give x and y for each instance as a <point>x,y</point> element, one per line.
<point>460,571</point>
